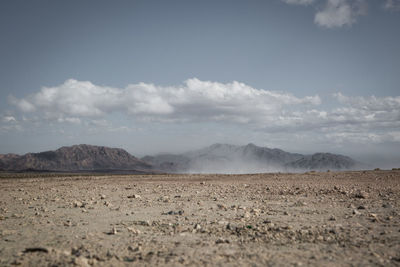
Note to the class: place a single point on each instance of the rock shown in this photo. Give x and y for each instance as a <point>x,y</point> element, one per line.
<point>246,215</point>
<point>78,204</point>
<point>81,261</point>
<point>133,230</point>
<point>374,217</point>
<point>222,207</point>
<point>256,212</point>
<point>332,218</point>
<point>221,241</point>
<point>134,196</point>
<point>36,249</point>
<point>102,196</point>
<point>113,231</point>
<point>356,212</point>
<point>171,212</point>
<point>360,194</point>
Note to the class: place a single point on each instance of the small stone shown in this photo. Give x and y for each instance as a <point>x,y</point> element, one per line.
<point>332,218</point>
<point>356,212</point>
<point>360,194</point>
<point>113,231</point>
<point>221,241</point>
<point>133,230</point>
<point>102,196</point>
<point>374,217</point>
<point>78,204</point>
<point>134,196</point>
<point>246,215</point>
<point>256,211</point>
<point>221,207</point>
<point>81,261</point>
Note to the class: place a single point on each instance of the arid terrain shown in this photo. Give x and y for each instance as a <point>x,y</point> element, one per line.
<point>310,219</point>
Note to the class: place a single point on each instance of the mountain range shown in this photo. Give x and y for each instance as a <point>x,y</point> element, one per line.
<point>75,158</point>
<point>217,158</point>
<point>225,158</point>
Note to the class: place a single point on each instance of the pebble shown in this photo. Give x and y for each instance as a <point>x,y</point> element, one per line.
<point>134,196</point>
<point>78,204</point>
<point>356,212</point>
<point>133,230</point>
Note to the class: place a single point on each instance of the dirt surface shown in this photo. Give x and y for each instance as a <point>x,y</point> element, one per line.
<point>311,219</point>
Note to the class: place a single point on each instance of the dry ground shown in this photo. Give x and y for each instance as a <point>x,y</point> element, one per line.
<point>317,219</point>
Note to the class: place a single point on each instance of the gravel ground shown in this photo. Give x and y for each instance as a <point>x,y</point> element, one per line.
<point>310,219</point>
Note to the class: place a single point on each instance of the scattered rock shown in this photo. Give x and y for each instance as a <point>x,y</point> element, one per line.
<point>133,230</point>
<point>36,249</point>
<point>360,194</point>
<point>356,212</point>
<point>221,241</point>
<point>171,212</point>
<point>134,196</point>
<point>113,231</point>
<point>78,204</point>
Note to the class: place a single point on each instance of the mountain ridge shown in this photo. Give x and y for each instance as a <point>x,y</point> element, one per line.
<point>227,158</point>
<point>216,158</point>
<point>74,158</point>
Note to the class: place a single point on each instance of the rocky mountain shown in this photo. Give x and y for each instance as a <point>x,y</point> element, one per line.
<point>323,161</point>
<point>225,158</point>
<point>217,158</point>
<point>75,158</point>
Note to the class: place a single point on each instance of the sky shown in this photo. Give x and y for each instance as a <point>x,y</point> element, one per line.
<point>171,76</point>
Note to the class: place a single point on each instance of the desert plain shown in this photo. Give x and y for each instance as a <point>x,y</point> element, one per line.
<point>308,219</point>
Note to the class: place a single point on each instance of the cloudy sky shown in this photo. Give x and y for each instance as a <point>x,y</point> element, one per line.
<point>169,76</point>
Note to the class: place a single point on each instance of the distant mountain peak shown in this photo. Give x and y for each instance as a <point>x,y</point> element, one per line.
<point>81,157</point>
<point>226,158</point>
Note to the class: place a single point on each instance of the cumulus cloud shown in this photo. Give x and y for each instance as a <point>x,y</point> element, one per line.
<point>338,13</point>
<point>195,100</point>
<point>299,2</point>
<point>366,119</point>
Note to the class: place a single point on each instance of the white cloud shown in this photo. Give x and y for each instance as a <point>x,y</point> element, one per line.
<point>393,5</point>
<point>299,2</point>
<point>338,13</point>
<point>9,119</point>
<point>9,123</point>
<point>355,119</point>
<point>69,120</point>
<point>195,100</point>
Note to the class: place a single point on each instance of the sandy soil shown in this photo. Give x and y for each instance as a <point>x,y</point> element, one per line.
<point>312,219</point>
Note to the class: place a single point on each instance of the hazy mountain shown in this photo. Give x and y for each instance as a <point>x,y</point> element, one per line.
<point>75,158</point>
<point>225,158</point>
<point>323,161</point>
<point>217,158</point>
